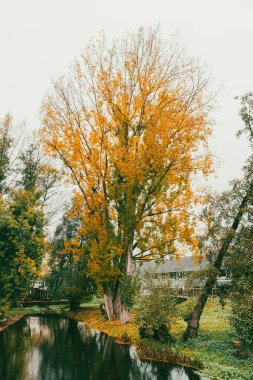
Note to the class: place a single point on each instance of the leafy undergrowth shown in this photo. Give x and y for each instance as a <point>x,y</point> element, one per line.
<point>214,345</point>
<point>212,353</point>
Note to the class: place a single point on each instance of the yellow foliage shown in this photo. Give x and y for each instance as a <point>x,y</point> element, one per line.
<point>130,123</point>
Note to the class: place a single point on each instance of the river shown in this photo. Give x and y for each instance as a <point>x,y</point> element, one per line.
<point>56,348</point>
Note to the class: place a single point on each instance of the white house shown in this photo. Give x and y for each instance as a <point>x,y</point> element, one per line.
<point>179,269</point>
<point>38,290</point>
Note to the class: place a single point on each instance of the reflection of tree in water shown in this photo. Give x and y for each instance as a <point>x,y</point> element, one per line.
<point>49,348</point>
<point>14,343</point>
<point>161,371</point>
<point>68,356</point>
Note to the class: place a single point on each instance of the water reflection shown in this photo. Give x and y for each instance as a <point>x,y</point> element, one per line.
<point>51,348</point>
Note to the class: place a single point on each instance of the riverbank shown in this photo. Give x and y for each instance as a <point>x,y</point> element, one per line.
<point>7,321</point>
<point>14,314</point>
<point>212,353</point>
<point>147,349</point>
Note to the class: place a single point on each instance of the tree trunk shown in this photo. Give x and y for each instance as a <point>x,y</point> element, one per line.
<point>125,315</point>
<point>116,299</point>
<point>129,264</point>
<point>113,305</point>
<point>193,322</point>
<point>108,297</point>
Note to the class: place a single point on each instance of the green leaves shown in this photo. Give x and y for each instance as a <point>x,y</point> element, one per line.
<point>21,244</point>
<point>68,277</point>
<point>22,226</point>
<point>241,266</point>
<point>5,145</point>
<point>129,289</point>
<point>157,307</point>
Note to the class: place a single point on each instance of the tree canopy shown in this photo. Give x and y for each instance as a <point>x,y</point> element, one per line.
<point>22,217</point>
<point>130,123</point>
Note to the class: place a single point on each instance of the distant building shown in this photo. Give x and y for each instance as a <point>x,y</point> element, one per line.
<point>38,290</point>
<point>179,269</point>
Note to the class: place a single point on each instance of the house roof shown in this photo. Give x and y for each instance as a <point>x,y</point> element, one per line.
<point>183,264</point>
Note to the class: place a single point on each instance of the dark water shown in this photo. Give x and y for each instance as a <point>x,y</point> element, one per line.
<point>52,348</point>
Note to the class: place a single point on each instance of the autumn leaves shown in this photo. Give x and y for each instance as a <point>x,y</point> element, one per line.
<point>130,124</point>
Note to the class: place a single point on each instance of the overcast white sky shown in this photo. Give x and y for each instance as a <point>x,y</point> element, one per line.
<point>39,38</point>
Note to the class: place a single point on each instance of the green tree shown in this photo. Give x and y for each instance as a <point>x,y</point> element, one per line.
<point>5,146</point>
<point>226,215</point>
<point>156,309</point>
<point>22,227</point>
<point>241,267</point>
<point>69,277</point>
<point>21,244</point>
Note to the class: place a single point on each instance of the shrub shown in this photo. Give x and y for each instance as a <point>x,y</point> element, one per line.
<point>242,318</point>
<point>241,266</point>
<point>156,310</point>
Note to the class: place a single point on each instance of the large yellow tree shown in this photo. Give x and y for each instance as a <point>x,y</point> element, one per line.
<point>130,123</point>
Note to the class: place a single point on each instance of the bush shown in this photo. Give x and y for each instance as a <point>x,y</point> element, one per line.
<point>156,310</point>
<point>242,318</point>
<point>241,266</point>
